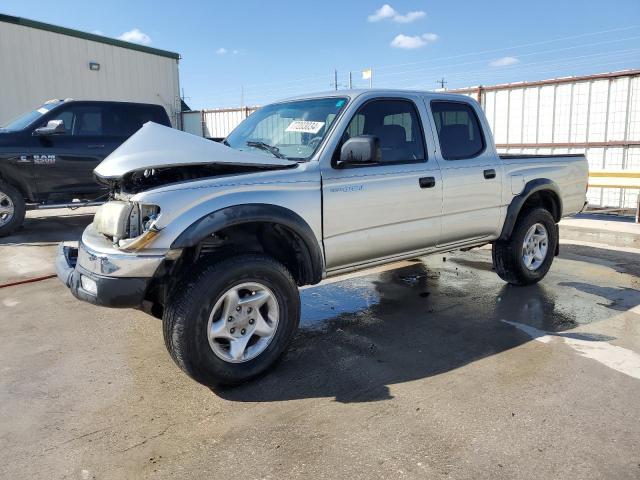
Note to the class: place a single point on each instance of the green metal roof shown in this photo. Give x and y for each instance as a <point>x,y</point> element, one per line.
<point>25,22</point>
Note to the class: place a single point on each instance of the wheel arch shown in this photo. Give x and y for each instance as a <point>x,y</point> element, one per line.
<point>19,183</point>
<point>296,237</point>
<point>541,192</point>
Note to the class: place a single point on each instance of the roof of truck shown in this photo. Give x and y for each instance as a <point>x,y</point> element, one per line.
<point>353,93</point>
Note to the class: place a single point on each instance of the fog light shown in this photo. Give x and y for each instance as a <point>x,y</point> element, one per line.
<point>89,285</point>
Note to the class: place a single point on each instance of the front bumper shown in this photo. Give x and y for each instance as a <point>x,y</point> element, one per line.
<point>119,281</point>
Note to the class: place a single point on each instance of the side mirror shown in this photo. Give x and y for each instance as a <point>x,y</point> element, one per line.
<point>360,150</point>
<point>53,127</point>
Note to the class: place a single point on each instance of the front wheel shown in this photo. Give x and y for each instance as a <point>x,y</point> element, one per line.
<point>232,320</point>
<point>526,257</point>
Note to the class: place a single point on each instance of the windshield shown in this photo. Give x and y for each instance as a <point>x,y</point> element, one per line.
<point>290,130</point>
<point>26,119</point>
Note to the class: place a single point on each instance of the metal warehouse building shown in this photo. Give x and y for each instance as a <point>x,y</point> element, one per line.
<point>39,61</point>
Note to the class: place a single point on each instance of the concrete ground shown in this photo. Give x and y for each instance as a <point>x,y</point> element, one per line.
<point>427,369</point>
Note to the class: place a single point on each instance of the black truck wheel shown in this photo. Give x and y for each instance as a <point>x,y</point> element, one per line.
<point>232,320</point>
<point>526,257</point>
<point>12,209</point>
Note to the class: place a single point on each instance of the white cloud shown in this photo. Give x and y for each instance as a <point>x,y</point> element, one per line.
<point>504,62</point>
<point>136,36</point>
<point>387,12</point>
<point>409,17</point>
<point>224,51</point>
<point>98,32</point>
<point>407,42</point>
<point>384,12</point>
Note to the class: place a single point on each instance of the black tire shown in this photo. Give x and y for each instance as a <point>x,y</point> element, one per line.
<point>187,314</point>
<point>507,254</point>
<point>19,209</point>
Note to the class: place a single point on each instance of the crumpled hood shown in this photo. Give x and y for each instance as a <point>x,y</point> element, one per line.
<point>155,146</point>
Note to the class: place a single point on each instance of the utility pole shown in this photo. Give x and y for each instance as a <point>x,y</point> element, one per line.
<point>335,79</point>
<point>442,82</point>
<point>350,81</point>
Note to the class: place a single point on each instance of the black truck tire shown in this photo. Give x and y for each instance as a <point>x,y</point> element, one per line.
<point>12,209</point>
<point>204,329</point>
<point>526,257</point>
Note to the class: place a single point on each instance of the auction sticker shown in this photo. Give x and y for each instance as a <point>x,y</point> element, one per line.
<point>305,126</point>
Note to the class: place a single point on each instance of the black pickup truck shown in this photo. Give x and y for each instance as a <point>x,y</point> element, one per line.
<point>47,156</point>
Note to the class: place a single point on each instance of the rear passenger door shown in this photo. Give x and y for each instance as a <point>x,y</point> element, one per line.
<point>471,173</point>
<point>390,208</point>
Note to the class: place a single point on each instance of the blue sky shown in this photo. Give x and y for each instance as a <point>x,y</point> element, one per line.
<point>278,48</point>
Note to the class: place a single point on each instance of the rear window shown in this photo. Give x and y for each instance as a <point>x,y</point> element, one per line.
<point>125,120</point>
<point>458,130</point>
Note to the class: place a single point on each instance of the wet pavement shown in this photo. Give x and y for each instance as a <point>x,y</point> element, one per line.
<point>432,368</point>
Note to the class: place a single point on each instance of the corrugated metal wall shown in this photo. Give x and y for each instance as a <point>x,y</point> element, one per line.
<point>37,65</point>
<point>597,115</point>
<point>216,123</point>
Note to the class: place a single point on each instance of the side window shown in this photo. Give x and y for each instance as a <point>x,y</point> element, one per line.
<point>458,130</point>
<point>79,120</point>
<point>67,119</point>
<point>396,124</point>
<point>125,120</point>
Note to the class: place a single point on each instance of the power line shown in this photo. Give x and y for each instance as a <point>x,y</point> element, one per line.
<point>482,52</point>
<point>309,85</point>
<point>519,66</point>
<point>383,67</point>
<point>541,52</point>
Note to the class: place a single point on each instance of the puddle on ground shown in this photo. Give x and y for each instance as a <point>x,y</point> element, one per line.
<point>325,302</point>
<point>467,286</point>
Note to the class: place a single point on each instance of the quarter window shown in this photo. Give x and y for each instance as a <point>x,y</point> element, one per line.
<point>125,120</point>
<point>458,130</point>
<point>396,124</point>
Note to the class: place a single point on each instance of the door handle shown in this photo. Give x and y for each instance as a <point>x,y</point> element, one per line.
<point>95,145</point>
<point>491,173</point>
<point>427,182</point>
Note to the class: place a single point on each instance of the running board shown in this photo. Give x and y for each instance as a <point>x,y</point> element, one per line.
<point>72,205</point>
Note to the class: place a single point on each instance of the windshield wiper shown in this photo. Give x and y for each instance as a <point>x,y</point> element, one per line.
<point>275,151</point>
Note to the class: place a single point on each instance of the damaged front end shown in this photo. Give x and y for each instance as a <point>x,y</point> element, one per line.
<point>157,156</point>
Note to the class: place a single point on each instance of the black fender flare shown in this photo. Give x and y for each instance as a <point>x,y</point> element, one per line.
<point>532,187</point>
<point>256,213</point>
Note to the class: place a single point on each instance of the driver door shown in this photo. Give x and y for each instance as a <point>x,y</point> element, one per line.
<point>392,208</point>
<point>63,163</point>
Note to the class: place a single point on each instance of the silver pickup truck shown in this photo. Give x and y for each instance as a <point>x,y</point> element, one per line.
<point>215,239</point>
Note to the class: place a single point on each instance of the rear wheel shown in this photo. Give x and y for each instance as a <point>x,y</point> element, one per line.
<point>526,257</point>
<point>12,209</point>
<point>232,320</point>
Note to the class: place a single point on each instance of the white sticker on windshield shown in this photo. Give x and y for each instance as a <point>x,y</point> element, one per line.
<point>42,110</point>
<point>304,126</point>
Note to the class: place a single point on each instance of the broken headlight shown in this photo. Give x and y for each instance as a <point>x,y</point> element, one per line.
<point>142,219</point>
<point>128,225</point>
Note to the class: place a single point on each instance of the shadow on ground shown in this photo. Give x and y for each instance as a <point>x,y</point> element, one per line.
<point>601,256</point>
<point>418,324</point>
<point>49,229</point>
